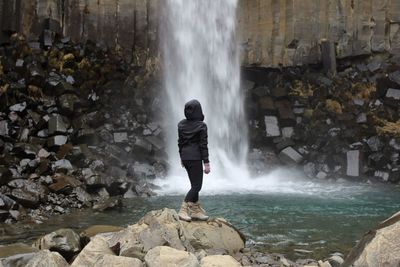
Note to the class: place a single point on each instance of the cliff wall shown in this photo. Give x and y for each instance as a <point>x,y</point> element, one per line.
<point>272,32</point>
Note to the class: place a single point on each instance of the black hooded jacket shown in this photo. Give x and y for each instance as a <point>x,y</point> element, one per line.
<point>192,132</point>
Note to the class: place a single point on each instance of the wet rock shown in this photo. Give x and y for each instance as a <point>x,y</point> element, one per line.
<point>57,125</point>
<point>353,163</point>
<point>271,126</point>
<point>64,241</point>
<point>108,204</point>
<point>47,258</point>
<point>290,156</point>
<point>166,256</point>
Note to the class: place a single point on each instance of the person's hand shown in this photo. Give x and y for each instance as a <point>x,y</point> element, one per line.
<point>207,168</point>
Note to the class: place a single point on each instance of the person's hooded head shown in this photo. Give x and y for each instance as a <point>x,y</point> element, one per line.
<point>193,111</point>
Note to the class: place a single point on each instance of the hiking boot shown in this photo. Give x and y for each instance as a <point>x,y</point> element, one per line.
<point>197,212</point>
<point>184,212</point>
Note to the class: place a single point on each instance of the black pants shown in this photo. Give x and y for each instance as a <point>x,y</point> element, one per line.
<point>194,169</point>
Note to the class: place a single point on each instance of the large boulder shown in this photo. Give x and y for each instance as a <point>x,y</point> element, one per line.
<point>163,227</point>
<point>94,251</point>
<point>378,247</point>
<point>47,258</point>
<point>170,257</point>
<point>215,234</point>
<point>117,261</point>
<point>65,241</point>
<point>219,261</point>
<point>156,228</point>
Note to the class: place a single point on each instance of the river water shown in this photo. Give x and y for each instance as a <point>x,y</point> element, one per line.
<point>321,218</point>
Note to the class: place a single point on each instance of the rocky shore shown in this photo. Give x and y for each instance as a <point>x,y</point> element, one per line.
<point>161,239</point>
<point>76,129</point>
<point>342,125</point>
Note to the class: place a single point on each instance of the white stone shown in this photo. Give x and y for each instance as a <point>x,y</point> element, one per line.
<point>362,118</point>
<point>321,175</point>
<point>18,107</point>
<point>287,132</point>
<point>353,163</point>
<point>120,137</point>
<point>272,126</point>
<point>290,155</point>
<point>383,175</point>
<point>393,93</point>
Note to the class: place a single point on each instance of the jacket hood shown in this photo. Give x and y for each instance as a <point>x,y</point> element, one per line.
<point>193,111</point>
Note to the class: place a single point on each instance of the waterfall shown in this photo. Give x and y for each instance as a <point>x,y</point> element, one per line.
<point>201,62</point>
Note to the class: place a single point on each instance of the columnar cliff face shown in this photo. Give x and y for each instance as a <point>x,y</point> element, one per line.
<point>288,32</point>
<point>128,24</point>
<point>272,32</point>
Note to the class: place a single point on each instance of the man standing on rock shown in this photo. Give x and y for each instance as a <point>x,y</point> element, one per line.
<point>193,150</point>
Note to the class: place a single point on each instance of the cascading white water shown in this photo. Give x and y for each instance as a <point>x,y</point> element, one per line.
<point>202,62</point>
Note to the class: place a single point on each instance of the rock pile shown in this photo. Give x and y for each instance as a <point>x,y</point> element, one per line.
<point>76,128</point>
<point>158,239</point>
<point>342,126</point>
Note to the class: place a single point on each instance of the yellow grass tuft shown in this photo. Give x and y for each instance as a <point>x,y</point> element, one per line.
<point>333,106</point>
